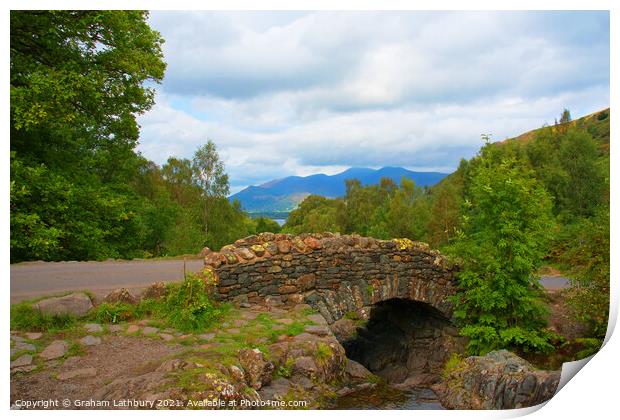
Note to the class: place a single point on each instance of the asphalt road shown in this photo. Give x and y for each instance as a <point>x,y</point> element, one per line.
<point>31,280</point>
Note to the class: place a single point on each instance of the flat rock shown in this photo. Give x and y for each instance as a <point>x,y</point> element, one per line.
<point>89,340</point>
<point>33,335</point>
<point>317,330</point>
<point>207,336</point>
<point>133,329</point>
<point>23,360</point>
<point>22,345</point>
<point>93,328</point>
<point>77,372</point>
<point>27,368</point>
<point>317,319</point>
<point>76,304</point>
<point>17,338</point>
<point>285,321</point>
<point>115,328</point>
<point>149,330</point>
<point>55,350</point>
<point>166,337</point>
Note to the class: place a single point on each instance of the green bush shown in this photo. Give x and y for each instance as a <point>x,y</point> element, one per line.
<point>188,306</point>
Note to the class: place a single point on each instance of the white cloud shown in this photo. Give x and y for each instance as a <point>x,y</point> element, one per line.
<point>299,93</point>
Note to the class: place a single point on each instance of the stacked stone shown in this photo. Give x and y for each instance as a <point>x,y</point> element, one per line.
<point>334,273</point>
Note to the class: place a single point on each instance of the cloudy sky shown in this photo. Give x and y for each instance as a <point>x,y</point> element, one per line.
<point>288,93</point>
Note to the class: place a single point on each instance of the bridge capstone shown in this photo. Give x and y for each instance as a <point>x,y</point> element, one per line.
<point>335,274</point>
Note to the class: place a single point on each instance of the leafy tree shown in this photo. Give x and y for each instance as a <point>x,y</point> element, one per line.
<point>314,214</point>
<point>83,69</point>
<point>77,83</point>
<point>565,118</point>
<point>263,224</point>
<point>587,260</point>
<point>506,223</point>
<point>210,177</point>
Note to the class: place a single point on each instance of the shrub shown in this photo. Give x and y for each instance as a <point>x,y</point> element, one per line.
<point>188,306</point>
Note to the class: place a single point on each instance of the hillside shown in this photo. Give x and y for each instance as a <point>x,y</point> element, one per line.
<point>285,194</point>
<point>597,124</point>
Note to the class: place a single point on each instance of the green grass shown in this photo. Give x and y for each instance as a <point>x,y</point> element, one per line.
<point>323,352</point>
<point>113,313</point>
<point>451,365</point>
<point>26,318</point>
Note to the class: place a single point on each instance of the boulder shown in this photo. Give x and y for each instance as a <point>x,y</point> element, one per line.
<point>155,291</point>
<point>120,296</point>
<point>344,329</point>
<point>356,370</point>
<point>75,304</point>
<point>498,380</point>
<point>258,370</point>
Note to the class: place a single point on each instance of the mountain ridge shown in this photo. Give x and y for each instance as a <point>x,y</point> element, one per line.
<point>284,194</point>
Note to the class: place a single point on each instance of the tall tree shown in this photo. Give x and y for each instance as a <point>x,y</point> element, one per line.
<point>77,82</point>
<point>210,177</point>
<point>504,237</point>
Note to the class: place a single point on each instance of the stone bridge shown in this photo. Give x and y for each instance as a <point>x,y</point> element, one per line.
<point>335,274</point>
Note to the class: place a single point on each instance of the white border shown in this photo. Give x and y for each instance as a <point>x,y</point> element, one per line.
<point>592,395</point>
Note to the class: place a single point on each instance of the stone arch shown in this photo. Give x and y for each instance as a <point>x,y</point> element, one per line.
<point>335,274</point>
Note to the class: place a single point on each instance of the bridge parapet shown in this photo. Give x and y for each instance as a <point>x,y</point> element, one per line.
<point>335,274</point>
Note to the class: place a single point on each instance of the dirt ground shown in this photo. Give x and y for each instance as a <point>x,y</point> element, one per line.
<point>116,357</point>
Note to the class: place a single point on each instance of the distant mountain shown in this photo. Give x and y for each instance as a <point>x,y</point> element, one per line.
<point>283,195</point>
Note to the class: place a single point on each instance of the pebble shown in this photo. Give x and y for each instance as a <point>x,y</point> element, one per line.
<point>34,335</point>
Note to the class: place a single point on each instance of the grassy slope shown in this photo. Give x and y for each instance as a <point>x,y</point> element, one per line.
<point>597,124</point>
